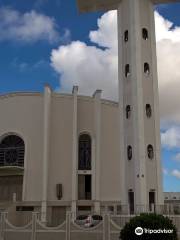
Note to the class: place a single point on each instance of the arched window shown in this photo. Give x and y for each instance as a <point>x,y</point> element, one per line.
<point>12,151</point>
<point>84,152</point>
<point>126,36</point>
<point>129,152</point>
<point>148,110</point>
<point>146,68</point>
<point>145,33</point>
<point>127,70</point>
<point>128,111</point>
<point>150,151</point>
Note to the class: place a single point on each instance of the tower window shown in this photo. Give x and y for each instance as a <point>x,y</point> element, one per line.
<point>127,70</point>
<point>146,68</point>
<point>129,152</point>
<point>150,151</point>
<point>84,152</point>
<point>126,36</point>
<point>145,33</point>
<point>148,110</point>
<point>128,111</point>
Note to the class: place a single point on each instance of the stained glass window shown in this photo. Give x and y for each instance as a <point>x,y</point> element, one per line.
<point>12,151</point>
<point>84,152</point>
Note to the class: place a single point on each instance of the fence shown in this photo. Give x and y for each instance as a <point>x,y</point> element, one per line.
<point>108,229</point>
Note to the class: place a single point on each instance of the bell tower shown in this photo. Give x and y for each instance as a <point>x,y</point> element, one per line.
<point>141,174</point>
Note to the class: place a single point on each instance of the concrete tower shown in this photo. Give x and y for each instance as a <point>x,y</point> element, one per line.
<point>141,184</point>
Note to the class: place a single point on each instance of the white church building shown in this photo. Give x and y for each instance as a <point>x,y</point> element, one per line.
<point>65,152</point>
<point>60,152</point>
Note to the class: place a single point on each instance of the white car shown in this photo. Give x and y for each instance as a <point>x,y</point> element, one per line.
<point>88,220</point>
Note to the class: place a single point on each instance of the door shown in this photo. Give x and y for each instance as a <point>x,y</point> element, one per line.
<point>131,202</point>
<point>84,187</point>
<point>10,185</point>
<point>152,201</point>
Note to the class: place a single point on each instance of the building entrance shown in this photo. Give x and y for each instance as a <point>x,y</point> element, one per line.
<point>11,186</point>
<point>131,201</point>
<point>151,200</point>
<point>84,187</point>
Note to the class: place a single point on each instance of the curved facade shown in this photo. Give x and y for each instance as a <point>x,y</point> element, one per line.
<point>55,129</point>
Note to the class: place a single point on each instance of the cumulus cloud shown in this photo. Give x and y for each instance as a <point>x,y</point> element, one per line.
<point>171,137</point>
<point>96,67</point>
<point>168,52</point>
<point>28,27</point>
<point>176,173</point>
<point>106,35</point>
<point>90,67</point>
<point>165,30</point>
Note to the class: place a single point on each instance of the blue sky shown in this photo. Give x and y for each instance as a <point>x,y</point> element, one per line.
<point>18,54</point>
<point>43,41</point>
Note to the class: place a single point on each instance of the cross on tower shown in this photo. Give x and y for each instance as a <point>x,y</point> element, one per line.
<point>104,5</point>
<point>141,183</point>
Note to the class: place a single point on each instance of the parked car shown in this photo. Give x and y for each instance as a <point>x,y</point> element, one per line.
<point>88,220</point>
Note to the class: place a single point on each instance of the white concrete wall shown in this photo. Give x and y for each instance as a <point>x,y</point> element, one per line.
<point>110,162</point>
<point>23,114</point>
<point>60,162</point>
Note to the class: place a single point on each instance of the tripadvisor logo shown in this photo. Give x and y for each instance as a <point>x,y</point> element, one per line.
<point>139,231</point>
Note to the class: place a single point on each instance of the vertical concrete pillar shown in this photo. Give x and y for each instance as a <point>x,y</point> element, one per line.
<point>46,147</point>
<point>34,221</point>
<point>97,126</point>
<point>122,152</point>
<point>106,227</point>
<point>159,196</point>
<point>68,226</point>
<point>3,218</point>
<point>74,151</point>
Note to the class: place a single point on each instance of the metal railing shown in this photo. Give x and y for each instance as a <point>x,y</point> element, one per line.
<point>109,228</point>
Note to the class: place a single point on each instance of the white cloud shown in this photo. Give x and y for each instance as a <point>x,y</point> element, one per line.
<point>165,171</point>
<point>164,29</point>
<point>93,67</point>
<point>171,137</point>
<point>177,157</point>
<point>106,35</point>
<point>28,27</point>
<point>24,67</point>
<point>168,52</point>
<point>88,67</point>
<point>176,173</point>
<point>66,37</point>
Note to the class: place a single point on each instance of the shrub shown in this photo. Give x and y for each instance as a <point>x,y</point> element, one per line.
<point>148,222</point>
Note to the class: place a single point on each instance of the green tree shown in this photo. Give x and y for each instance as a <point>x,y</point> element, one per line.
<point>149,221</point>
